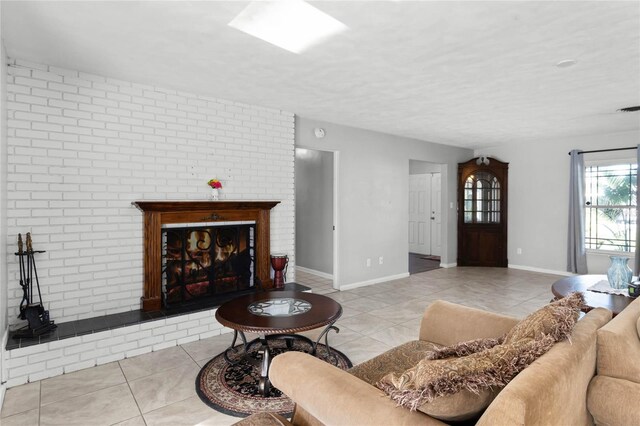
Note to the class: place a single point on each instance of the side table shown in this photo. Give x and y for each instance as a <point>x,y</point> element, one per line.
<point>278,315</point>
<point>592,299</point>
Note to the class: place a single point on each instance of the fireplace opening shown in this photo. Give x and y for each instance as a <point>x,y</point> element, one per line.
<point>206,261</point>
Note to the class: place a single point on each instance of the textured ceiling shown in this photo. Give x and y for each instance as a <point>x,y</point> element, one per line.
<point>470,74</point>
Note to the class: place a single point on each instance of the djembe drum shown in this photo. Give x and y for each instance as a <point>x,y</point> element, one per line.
<point>279,262</point>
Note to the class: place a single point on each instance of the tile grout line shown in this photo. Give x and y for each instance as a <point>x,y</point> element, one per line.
<point>39,401</point>
<point>86,394</point>
<point>189,355</point>
<point>175,402</point>
<point>158,372</point>
<point>132,394</point>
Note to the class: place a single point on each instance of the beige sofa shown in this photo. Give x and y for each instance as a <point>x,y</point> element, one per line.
<point>551,391</point>
<point>614,393</point>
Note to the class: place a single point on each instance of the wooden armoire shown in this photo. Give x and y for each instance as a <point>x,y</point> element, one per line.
<point>482,212</point>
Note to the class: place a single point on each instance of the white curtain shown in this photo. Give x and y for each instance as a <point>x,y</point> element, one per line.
<point>636,270</point>
<point>576,251</point>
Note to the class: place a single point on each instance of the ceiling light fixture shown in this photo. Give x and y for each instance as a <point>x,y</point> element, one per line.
<point>483,160</point>
<point>566,63</point>
<point>293,25</point>
<point>630,109</point>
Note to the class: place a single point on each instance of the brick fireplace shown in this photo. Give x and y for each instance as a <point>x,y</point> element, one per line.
<point>196,213</point>
<point>80,152</point>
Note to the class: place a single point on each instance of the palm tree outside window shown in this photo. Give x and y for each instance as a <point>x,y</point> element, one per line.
<point>610,210</point>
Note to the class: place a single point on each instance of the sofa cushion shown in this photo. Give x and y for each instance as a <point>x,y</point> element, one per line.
<point>483,365</point>
<point>395,360</point>
<point>551,391</point>
<point>462,405</point>
<point>555,319</point>
<point>618,342</point>
<point>613,401</point>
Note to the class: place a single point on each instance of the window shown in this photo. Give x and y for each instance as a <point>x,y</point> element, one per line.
<point>610,219</point>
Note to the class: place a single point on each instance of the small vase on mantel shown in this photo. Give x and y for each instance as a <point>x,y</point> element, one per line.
<point>215,195</point>
<point>619,273</point>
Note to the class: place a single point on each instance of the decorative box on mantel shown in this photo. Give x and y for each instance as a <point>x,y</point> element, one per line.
<point>158,213</point>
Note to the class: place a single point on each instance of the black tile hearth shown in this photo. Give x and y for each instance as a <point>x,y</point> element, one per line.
<point>51,336</point>
<point>82,327</point>
<point>66,329</point>
<point>90,325</point>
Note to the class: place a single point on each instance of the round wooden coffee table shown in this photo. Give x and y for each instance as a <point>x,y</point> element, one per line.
<point>592,299</point>
<point>278,315</point>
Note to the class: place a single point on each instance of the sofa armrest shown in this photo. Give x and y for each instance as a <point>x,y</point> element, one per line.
<point>446,323</point>
<point>335,397</point>
<point>619,345</point>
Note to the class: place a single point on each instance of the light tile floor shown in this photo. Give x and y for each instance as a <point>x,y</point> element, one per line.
<point>158,388</point>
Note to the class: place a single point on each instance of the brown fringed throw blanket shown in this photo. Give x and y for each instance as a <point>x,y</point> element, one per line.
<point>483,363</point>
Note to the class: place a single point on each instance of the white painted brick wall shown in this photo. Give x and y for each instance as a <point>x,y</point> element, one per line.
<point>83,147</point>
<point>68,355</point>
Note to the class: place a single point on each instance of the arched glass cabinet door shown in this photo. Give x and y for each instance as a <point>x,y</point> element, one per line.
<point>482,213</point>
<point>481,198</point>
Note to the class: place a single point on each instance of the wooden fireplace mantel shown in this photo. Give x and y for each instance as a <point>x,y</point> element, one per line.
<point>158,213</point>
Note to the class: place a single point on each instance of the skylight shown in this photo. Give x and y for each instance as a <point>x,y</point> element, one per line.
<point>293,25</point>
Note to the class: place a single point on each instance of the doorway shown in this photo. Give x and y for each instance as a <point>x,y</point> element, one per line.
<point>315,216</point>
<point>425,216</point>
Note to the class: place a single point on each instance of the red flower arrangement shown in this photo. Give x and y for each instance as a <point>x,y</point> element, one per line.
<point>215,184</point>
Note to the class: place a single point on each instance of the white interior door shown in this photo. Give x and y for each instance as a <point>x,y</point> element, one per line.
<point>419,208</point>
<point>436,214</point>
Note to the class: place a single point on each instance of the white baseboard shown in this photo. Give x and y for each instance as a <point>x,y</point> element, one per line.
<point>314,272</point>
<point>3,383</point>
<point>449,265</point>
<point>541,270</point>
<point>373,281</point>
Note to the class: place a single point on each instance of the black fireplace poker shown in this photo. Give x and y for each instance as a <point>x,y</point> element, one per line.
<point>37,317</point>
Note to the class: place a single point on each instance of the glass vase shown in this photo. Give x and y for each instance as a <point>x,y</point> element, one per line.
<point>619,273</point>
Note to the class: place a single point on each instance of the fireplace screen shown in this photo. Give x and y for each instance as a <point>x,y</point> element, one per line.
<point>206,261</point>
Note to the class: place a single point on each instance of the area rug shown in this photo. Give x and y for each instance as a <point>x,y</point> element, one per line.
<point>233,389</point>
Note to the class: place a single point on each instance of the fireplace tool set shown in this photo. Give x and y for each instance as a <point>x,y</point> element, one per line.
<point>30,310</point>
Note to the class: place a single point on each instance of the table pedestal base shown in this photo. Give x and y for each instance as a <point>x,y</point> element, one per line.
<point>265,352</point>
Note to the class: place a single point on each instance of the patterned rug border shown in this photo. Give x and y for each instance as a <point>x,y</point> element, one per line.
<point>203,397</point>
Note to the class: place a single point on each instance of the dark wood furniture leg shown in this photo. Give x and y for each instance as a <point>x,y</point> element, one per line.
<point>264,386</point>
